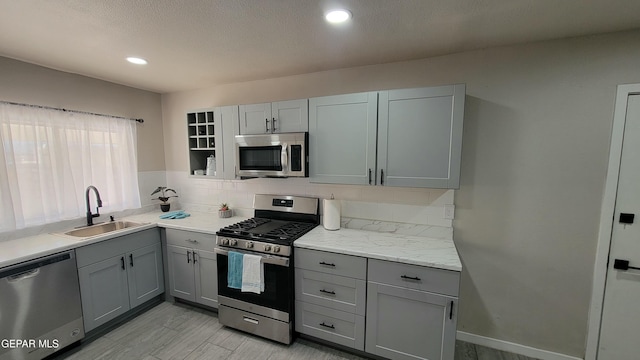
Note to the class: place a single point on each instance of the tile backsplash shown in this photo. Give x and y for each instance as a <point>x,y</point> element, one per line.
<point>377,208</point>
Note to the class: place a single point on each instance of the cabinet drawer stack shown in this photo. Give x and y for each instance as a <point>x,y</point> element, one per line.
<point>331,296</point>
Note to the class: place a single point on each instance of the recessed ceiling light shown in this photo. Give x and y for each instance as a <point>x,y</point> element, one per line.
<point>338,16</point>
<point>137,61</point>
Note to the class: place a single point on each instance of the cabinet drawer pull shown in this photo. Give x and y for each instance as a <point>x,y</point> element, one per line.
<point>192,241</point>
<point>327,292</point>
<point>131,260</point>
<point>122,260</point>
<point>327,264</point>
<point>327,326</point>
<point>410,277</point>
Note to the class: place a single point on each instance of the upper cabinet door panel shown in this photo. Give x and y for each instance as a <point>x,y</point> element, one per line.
<point>290,116</point>
<point>255,119</point>
<point>342,138</point>
<point>420,136</point>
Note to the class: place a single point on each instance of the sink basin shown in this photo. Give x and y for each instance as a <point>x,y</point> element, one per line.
<point>100,229</point>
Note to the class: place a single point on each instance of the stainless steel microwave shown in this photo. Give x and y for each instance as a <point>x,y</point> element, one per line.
<point>272,155</point>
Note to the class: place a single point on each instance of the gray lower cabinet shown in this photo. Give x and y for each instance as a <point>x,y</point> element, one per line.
<point>404,319</point>
<point>330,296</point>
<point>192,266</point>
<point>119,274</point>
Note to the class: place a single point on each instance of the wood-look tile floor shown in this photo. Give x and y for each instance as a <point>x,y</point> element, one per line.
<point>177,331</point>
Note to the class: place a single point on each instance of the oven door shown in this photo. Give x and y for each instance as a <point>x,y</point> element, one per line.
<point>278,279</point>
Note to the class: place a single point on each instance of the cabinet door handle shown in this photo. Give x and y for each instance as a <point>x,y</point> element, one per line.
<point>451,311</point>
<point>327,264</point>
<point>381,176</point>
<point>369,176</point>
<point>188,257</point>
<point>266,125</point>
<point>327,326</point>
<point>131,260</point>
<point>273,125</point>
<point>122,260</point>
<point>195,260</point>
<point>327,292</point>
<point>410,277</point>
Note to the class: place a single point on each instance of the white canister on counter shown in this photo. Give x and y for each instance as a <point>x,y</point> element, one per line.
<point>331,217</point>
<point>211,165</point>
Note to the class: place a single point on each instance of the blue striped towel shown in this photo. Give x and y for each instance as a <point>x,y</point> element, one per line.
<point>234,272</point>
<point>179,214</point>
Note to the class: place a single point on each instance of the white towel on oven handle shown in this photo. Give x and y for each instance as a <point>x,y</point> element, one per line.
<point>252,274</point>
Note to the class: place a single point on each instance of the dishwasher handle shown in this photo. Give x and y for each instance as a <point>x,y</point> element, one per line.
<point>31,268</point>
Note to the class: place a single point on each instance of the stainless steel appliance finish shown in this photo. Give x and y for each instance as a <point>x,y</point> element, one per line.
<point>278,221</point>
<point>40,304</point>
<point>272,155</point>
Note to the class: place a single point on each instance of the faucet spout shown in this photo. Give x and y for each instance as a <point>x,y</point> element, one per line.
<point>90,216</point>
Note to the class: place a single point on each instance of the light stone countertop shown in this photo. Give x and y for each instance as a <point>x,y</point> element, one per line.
<point>438,253</point>
<point>27,248</point>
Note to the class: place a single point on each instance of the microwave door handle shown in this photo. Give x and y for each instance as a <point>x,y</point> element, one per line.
<point>284,156</point>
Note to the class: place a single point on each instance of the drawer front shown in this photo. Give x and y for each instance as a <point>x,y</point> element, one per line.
<point>331,263</point>
<point>331,291</point>
<point>331,325</point>
<point>91,254</point>
<point>423,278</point>
<point>191,239</point>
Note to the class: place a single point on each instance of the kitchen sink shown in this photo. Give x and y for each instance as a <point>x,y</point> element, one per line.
<point>103,228</point>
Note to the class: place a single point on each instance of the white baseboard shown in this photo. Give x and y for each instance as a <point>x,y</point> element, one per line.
<point>512,347</point>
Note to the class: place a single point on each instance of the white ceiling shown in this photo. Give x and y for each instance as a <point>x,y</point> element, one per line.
<point>194,44</point>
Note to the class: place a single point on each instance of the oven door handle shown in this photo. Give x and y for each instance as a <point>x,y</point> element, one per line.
<point>266,259</point>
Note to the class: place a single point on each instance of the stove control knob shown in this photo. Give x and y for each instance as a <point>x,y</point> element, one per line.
<point>234,242</point>
<point>225,241</point>
<point>276,249</point>
<point>249,245</point>
<point>267,248</point>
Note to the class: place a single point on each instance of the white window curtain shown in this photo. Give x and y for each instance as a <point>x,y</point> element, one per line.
<point>49,157</point>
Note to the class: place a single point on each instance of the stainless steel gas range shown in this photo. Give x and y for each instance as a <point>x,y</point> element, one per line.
<point>278,221</point>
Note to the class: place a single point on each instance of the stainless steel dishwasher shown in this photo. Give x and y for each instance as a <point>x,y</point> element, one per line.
<point>40,308</point>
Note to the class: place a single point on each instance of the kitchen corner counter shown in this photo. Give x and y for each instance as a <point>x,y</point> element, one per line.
<point>436,253</point>
<point>27,248</point>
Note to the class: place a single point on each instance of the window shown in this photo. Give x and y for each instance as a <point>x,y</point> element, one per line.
<point>49,158</point>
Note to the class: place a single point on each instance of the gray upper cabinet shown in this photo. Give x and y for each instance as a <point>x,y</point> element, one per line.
<point>228,116</point>
<point>276,117</point>
<point>416,134</point>
<point>342,138</point>
<point>420,136</point>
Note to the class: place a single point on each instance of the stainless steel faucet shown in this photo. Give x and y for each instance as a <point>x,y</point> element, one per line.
<point>90,216</point>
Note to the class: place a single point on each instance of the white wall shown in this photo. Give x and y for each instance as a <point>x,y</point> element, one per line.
<point>536,137</point>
